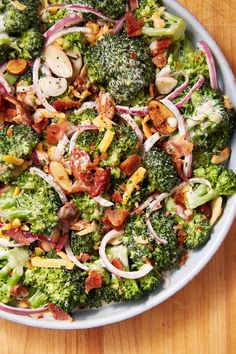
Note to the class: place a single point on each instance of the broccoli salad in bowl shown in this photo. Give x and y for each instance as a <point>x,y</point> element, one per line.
<point>114,143</point>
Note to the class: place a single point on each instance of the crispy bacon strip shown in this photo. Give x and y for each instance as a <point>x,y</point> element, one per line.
<point>100,182</point>
<point>58,313</point>
<point>117,263</point>
<point>116,217</point>
<point>106,105</point>
<point>55,132</point>
<point>133,26</point>
<point>130,165</point>
<point>62,105</point>
<point>16,112</point>
<point>94,281</point>
<point>133,5</point>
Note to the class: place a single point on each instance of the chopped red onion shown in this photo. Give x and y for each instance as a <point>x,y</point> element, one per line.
<point>83,9</point>
<point>152,231</point>
<point>119,25</point>
<point>72,257</point>
<point>179,89</point>
<point>146,268</point>
<point>188,162</point>
<point>134,111</point>
<point>22,89</point>
<point>103,202</point>
<point>67,21</point>
<point>156,203</point>
<point>66,31</point>
<point>40,157</point>
<point>37,88</point>
<point>49,179</point>
<point>145,204</point>
<point>3,68</point>
<point>134,126</point>
<point>189,95</point>
<point>210,62</point>
<point>151,141</point>
<point>85,106</point>
<point>5,84</point>
<point>60,149</point>
<point>6,243</point>
<point>181,123</point>
<point>21,311</point>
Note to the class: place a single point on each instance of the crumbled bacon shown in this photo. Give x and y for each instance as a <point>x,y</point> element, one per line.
<point>100,182</point>
<point>181,234</point>
<point>68,215</point>
<point>106,105</point>
<point>117,263</point>
<point>94,281</point>
<point>179,147</point>
<point>55,132</point>
<point>39,127</point>
<point>58,313</point>
<point>160,60</point>
<point>25,237</point>
<point>116,217</point>
<point>133,5</point>
<point>15,111</point>
<point>183,258</point>
<point>117,197</point>
<point>179,198</point>
<point>84,257</point>
<point>206,209</point>
<point>62,104</point>
<point>159,46</point>
<point>62,241</point>
<point>130,165</point>
<point>19,291</point>
<point>133,26</point>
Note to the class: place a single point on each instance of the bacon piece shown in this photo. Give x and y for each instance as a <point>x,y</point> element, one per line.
<point>19,291</point>
<point>100,182</point>
<point>84,257</point>
<point>159,115</point>
<point>62,241</point>
<point>160,60</point>
<point>116,217</point>
<point>206,209</point>
<point>183,258</point>
<point>117,263</point>
<point>58,313</point>
<point>80,162</point>
<point>22,116</point>
<point>133,5</point>
<point>133,26</point>
<point>62,105</point>
<point>181,234</point>
<point>130,165</point>
<point>159,46</point>
<point>25,237</point>
<point>106,105</point>
<point>84,183</point>
<point>179,198</point>
<point>68,215</point>
<point>117,197</point>
<point>55,132</point>
<point>94,281</point>
<point>178,147</point>
<point>39,127</point>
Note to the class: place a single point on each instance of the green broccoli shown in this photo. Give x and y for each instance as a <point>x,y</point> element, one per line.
<point>111,63</point>
<point>89,209</point>
<point>162,175</point>
<point>174,26</point>
<point>75,42</point>
<point>197,231</point>
<point>85,117</point>
<point>150,281</point>
<point>210,124</point>
<point>86,244</point>
<point>37,299</point>
<point>12,264</point>
<point>89,140</point>
<point>19,143</point>
<point>37,204</point>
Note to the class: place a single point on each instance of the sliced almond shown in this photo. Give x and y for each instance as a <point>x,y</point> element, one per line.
<point>223,156</point>
<point>60,176</point>
<point>58,61</point>
<point>216,207</point>
<point>166,84</point>
<point>52,86</point>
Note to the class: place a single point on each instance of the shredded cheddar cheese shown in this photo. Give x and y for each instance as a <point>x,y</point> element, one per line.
<point>14,160</point>
<point>133,182</point>
<point>106,141</point>
<point>51,263</point>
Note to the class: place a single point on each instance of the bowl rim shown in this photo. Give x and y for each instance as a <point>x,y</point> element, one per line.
<point>229,218</point>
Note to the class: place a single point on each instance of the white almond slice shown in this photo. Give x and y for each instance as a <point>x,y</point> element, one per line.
<point>52,86</point>
<point>166,84</point>
<point>58,61</point>
<point>216,207</point>
<point>60,176</point>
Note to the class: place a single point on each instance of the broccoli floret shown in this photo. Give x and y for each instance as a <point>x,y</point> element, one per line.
<point>162,175</point>
<point>12,264</point>
<point>166,256</point>
<point>88,140</point>
<point>37,204</point>
<point>90,210</point>
<point>62,287</point>
<point>150,281</point>
<point>75,42</point>
<point>29,44</point>
<point>86,244</point>
<point>111,64</point>
<point>210,124</point>
<point>197,231</point>
<point>19,143</point>
<point>174,26</point>
<point>37,299</point>
<point>16,21</point>
<point>86,117</point>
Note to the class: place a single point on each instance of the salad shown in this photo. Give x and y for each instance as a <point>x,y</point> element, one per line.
<point>114,143</point>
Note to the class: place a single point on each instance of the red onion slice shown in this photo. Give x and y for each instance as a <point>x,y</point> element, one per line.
<point>6,243</point>
<point>83,9</point>
<point>73,259</point>
<point>119,25</point>
<point>5,84</point>
<point>3,68</point>
<point>145,204</point>
<point>103,202</point>
<point>189,95</point>
<point>179,89</point>
<point>22,311</point>
<point>85,106</point>
<point>156,203</point>
<point>60,149</point>
<point>66,31</point>
<point>37,89</point>
<point>146,268</point>
<point>181,123</point>
<point>152,231</point>
<point>134,126</point>
<point>151,141</point>
<point>210,62</point>
<point>79,130</point>
<point>50,180</point>
<point>200,181</point>
<point>134,111</point>
<point>67,21</point>
<point>188,162</point>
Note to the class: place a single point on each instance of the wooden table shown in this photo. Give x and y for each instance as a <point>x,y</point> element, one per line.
<point>201,318</point>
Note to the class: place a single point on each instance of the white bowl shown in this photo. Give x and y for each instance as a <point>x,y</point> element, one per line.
<point>118,312</point>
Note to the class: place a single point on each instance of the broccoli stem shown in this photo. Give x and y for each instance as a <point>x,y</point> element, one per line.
<point>38,299</point>
<point>15,214</point>
<point>175,31</point>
